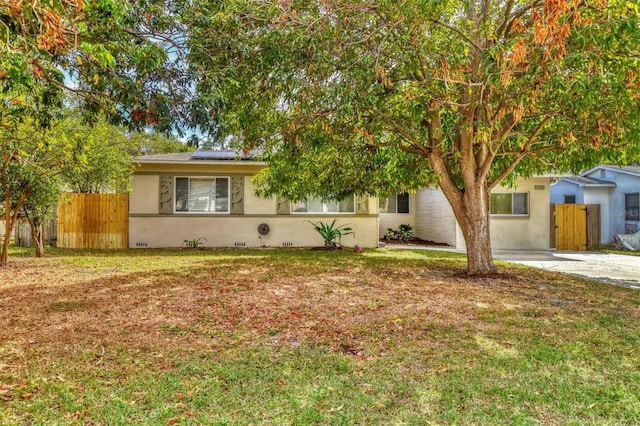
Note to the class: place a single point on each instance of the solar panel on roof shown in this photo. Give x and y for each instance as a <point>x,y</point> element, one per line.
<point>225,155</point>
<point>216,155</point>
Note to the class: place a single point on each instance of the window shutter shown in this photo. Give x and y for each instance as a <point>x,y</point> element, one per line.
<point>166,194</point>
<point>283,205</point>
<point>362,204</point>
<point>237,195</point>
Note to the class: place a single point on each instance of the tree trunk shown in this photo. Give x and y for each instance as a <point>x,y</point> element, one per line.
<point>474,218</point>
<point>10,221</point>
<point>469,199</point>
<point>37,235</point>
<point>471,208</point>
<point>4,252</point>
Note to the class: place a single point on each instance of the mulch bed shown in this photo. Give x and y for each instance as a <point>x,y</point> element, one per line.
<point>414,242</point>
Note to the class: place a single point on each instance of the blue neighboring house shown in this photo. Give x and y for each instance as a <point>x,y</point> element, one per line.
<point>615,188</point>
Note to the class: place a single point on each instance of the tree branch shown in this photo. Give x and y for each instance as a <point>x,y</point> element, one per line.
<point>505,27</point>
<point>526,150</point>
<point>457,31</point>
<point>415,147</point>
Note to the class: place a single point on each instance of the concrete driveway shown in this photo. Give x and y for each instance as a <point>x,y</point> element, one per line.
<point>609,268</point>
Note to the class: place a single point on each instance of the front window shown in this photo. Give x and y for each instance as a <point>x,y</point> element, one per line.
<point>511,204</point>
<point>569,199</point>
<point>317,205</point>
<point>395,203</point>
<point>201,195</point>
<point>631,207</point>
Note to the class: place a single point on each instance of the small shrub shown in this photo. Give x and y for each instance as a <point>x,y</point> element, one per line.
<point>195,243</point>
<point>331,233</point>
<point>403,233</point>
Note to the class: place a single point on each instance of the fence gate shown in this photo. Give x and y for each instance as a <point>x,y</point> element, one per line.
<point>576,226</point>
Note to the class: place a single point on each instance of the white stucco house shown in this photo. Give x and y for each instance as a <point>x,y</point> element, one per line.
<point>210,195</point>
<point>616,189</point>
<point>520,216</point>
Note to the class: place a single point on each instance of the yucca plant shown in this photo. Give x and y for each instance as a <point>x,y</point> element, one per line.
<point>195,243</point>
<point>331,233</point>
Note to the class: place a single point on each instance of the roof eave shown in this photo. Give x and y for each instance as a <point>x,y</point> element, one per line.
<point>590,184</point>
<point>214,162</point>
<point>613,169</point>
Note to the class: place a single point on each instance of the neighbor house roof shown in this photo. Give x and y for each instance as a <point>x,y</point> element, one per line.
<point>225,155</point>
<point>631,170</point>
<point>589,181</point>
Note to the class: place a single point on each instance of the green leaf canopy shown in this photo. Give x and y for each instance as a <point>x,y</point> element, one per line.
<point>376,96</point>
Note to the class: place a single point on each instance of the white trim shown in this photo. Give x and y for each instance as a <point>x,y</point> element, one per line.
<point>616,169</point>
<point>209,162</point>
<point>589,184</point>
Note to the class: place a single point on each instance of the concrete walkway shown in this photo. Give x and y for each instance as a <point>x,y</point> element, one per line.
<point>609,268</point>
<point>614,269</point>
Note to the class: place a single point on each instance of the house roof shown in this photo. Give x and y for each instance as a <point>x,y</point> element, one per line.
<point>631,170</point>
<point>177,156</point>
<point>589,181</point>
<point>225,155</point>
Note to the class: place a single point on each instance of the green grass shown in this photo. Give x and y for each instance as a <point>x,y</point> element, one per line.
<point>624,252</point>
<point>299,337</point>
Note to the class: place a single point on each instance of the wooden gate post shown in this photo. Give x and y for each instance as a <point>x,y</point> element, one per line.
<point>593,226</point>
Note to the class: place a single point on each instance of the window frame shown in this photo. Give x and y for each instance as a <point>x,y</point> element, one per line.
<point>629,217</point>
<point>396,203</point>
<point>512,215</point>
<point>324,207</point>
<point>190,177</point>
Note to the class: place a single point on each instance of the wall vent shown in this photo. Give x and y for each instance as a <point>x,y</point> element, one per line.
<point>139,244</point>
<point>539,187</point>
<point>287,244</point>
<point>239,244</point>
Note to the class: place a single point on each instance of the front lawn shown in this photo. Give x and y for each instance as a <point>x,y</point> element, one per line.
<point>309,337</point>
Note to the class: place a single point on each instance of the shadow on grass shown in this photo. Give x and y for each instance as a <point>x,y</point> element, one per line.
<point>313,338</point>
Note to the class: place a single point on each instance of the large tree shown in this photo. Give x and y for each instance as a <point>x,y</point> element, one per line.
<point>30,170</point>
<point>119,57</point>
<point>375,96</point>
<point>94,158</point>
<point>39,165</point>
<point>27,107</point>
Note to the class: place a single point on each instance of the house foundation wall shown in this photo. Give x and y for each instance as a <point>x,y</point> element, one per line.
<point>228,231</point>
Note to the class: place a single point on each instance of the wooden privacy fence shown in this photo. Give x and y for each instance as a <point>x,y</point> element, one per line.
<point>23,233</point>
<point>98,221</point>
<point>576,226</point>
